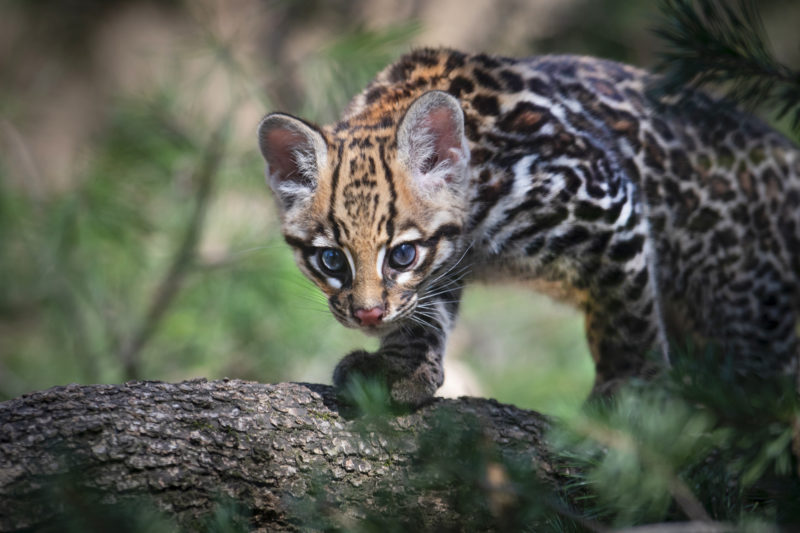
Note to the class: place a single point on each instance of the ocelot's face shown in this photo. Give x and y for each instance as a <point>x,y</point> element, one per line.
<point>373,245</point>
<point>374,212</point>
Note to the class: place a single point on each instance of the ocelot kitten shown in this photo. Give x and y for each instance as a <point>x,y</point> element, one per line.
<point>661,220</point>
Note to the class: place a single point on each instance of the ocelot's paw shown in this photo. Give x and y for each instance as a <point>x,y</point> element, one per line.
<point>408,383</point>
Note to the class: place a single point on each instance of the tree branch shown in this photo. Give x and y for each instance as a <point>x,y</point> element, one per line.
<point>277,450</point>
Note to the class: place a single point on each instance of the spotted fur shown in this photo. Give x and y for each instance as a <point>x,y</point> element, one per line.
<point>661,220</point>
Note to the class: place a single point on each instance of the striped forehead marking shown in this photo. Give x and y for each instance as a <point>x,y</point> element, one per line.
<point>332,203</point>
<point>392,192</point>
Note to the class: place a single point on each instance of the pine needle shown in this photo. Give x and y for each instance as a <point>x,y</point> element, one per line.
<point>723,44</point>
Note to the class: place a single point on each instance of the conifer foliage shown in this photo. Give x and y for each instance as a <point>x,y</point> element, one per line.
<point>721,43</point>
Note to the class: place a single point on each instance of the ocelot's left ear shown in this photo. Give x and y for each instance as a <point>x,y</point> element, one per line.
<point>431,143</point>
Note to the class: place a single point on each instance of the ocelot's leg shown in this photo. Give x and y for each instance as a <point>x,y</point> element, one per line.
<point>757,321</point>
<point>623,336</point>
<point>409,359</point>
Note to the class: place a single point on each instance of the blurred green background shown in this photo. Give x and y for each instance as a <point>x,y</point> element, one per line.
<point>137,237</point>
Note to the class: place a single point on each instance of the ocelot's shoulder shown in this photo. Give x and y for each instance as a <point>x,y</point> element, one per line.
<point>431,62</point>
<point>460,72</point>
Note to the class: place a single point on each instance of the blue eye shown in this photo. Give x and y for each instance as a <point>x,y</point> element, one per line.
<point>402,256</point>
<point>332,260</point>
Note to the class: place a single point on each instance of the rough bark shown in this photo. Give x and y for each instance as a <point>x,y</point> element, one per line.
<point>276,450</point>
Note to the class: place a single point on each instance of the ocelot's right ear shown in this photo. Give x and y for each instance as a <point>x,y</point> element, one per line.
<point>295,153</point>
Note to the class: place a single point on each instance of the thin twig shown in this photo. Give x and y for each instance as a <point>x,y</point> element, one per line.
<point>591,525</point>
<point>681,493</point>
<point>182,261</point>
<point>681,527</point>
<point>34,185</point>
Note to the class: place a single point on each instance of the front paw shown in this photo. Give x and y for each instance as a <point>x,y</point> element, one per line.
<point>360,363</point>
<point>407,382</point>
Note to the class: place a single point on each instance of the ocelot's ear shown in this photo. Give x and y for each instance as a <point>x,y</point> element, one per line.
<point>295,153</point>
<point>431,141</point>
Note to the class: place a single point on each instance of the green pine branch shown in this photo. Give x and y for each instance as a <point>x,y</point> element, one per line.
<point>721,43</point>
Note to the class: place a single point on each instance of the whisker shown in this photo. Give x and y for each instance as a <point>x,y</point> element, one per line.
<point>463,255</point>
<point>432,320</point>
<point>431,305</point>
<point>422,322</point>
<point>238,253</point>
<point>306,308</point>
<point>451,274</point>
<point>437,291</point>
